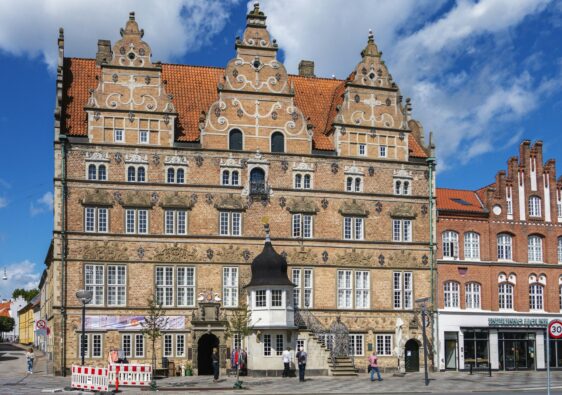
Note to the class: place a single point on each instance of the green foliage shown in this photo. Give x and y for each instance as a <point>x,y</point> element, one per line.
<point>26,294</point>
<point>153,324</point>
<point>7,324</point>
<point>239,323</point>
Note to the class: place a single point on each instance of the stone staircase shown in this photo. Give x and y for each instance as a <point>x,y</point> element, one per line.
<point>343,366</point>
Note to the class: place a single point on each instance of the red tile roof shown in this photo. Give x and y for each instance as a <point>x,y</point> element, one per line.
<point>459,200</point>
<point>5,309</point>
<point>194,89</point>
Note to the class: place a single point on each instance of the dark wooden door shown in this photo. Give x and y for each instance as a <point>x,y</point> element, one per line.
<point>412,356</point>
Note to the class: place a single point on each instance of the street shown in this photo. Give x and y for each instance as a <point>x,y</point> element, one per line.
<point>14,380</point>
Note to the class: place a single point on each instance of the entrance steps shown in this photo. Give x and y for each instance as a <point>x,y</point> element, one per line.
<point>342,366</point>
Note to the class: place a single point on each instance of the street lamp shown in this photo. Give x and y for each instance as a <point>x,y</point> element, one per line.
<point>84,296</point>
<point>422,302</point>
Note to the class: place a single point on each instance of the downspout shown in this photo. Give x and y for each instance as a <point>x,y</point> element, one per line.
<point>63,139</point>
<point>431,164</point>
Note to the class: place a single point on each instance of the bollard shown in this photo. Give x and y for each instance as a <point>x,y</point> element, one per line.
<point>117,379</point>
<point>471,368</point>
<point>489,369</point>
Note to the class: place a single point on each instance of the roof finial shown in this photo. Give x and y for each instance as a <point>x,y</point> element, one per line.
<point>265,221</point>
<point>132,15</point>
<point>371,35</point>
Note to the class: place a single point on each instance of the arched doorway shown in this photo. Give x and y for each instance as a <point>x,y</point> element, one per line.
<point>204,351</point>
<point>412,356</point>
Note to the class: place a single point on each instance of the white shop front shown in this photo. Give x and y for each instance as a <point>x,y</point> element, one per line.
<point>506,341</point>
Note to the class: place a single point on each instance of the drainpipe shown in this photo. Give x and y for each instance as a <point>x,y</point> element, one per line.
<point>63,140</point>
<point>431,164</point>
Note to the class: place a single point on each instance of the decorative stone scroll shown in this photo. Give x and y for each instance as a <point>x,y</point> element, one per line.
<point>97,197</point>
<point>230,202</point>
<point>137,199</point>
<point>230,254</point>
<point>97,156</point>
<point>230,162</point>
<point>177,254</point>
<point>354,209</point>
<point>302,205</point>
<point>136,158</point>
<point>354,170</point>
<point>303,166</point>
<point>177,200</point>
<point>354,258</point>
<point>176,160</point>
<point>402,211</point>
<point>401,258</point>
<point>103,251</point>
<point>303,256</point>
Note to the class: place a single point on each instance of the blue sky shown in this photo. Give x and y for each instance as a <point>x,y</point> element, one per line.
<point>483,75</point>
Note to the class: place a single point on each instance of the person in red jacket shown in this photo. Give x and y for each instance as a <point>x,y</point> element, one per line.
<point>374,364</point>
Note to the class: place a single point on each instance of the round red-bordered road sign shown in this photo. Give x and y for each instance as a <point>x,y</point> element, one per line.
<point>555,329</point>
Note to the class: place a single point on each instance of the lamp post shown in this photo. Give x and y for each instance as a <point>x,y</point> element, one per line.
<point>84,296</point>
<point>422,302</point>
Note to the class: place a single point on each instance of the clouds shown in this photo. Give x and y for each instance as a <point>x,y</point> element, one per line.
<point>22,274</point>
<point>30,27</point>
<point>42,205</point>
<point>469,81</point>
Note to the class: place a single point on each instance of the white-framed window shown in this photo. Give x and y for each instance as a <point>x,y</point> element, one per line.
<point>96,219</point>
<point>471,245</point>
<point>353,228</point>
<point>127,344</point>
<point>535,206</point>
<point>175,176</point>
<point>451,295</point>
<point>450,245</point>
<point>472,295</point>
<point>302,293</point>
<point>383,345</point>
<point>402,230</point>
<point>136,173</point>
<point>301,345</point>
<point>180,345</point>
<point>136,221</point>
<point>279,342</point>
<point>535,248</point>
<point>345,289</point>
<point>402,287</point>
<point>353,184</point>
<point>165,285</point>
<point>261,298</point>
<point>230,223</point>
<point>509,203</point>
<point>362,290</point>
<point>143,137</point>
<point>168,347</point>
<point>175,222</point>
<point>302,181</point>
<point>505,244</point>
<point>93,345</point>
<point>536,299</point>
<point>230,177</point>
<point>116,285</point>
<point>236,341</point>
<point>267,345</point>
<point>185,282</point>
<point>382,151</point>
<point>139,345</point>
<point>559,250</point>
<point>402,187</point>
<point>362,149</point>
<point>302,226</point>
<point>276,298</point>
<point>230,286</point>
<point>94,281</point>
<point>356,342</point>
<point>97,172</point>
<point>97,345</point>
<point>505,296</point>
<point>118,136</point>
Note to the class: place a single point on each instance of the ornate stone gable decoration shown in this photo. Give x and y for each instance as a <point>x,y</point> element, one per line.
<point>354,209</point>
<point>137,199</point>
<point>402,173</point>
<point>354,258</point>
<point>176,160</point>
<point>230,202</point>
<point>104,251</point>
<point>401,258</point>
<point>230,162</point>
<point>402,211</point>
<point>97,197</point>
<point>97,156</point>
<point>230,254</point>
<point>302,205</point>
<point>354,170</point>
<point>303,256</point>
<point>177,254</point>
<point>303,166</point>
<point>177,200</point>
<point>136,158</point>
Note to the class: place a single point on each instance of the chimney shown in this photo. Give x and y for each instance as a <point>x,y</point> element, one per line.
<point>306,68</point>
<point>104,54</point>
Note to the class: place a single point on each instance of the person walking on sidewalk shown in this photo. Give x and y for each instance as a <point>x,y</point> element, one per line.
<point>374,365</point>
<point>30,356</point>
<point>287,362</point>
<point>215,360</point>
<point>301,359</point>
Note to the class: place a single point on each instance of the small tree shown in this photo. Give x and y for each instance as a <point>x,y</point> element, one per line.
<point>239,323</point>
<point>6,324</point>
<point>153,324</point>
<point>26,294</point>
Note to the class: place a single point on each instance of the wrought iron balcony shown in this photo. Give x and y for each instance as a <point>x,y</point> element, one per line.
<point>259,189</point>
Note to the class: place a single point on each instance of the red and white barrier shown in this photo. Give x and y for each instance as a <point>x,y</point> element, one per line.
<point>89,378</point>
<point>130,374</point>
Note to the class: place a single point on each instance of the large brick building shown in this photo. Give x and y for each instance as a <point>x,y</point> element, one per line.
<point>499,267</point>
<point>164,173</point>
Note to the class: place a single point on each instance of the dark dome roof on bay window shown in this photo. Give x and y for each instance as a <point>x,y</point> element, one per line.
<point>269,268</point>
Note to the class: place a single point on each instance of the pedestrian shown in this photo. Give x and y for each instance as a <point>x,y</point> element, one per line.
<point>286,362</point>
<point>374,364</point>
<point>30,356</point>
<point>243,359</point>
<point>301,359</point>
<point>215,360</point>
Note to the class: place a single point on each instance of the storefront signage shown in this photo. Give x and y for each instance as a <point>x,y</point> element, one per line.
<point>518,322</point>
<point>128,322</point>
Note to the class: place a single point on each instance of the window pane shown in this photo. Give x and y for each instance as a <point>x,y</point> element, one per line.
<point>180,176</point>
<point>277,142</point>
<point>92,172</point>
<point>89,223</point>
<point>236,225</point>
<point>141,174</point>
<point>102,220</point>
<point>143,221</point>
<point>130,220</point>
<point>225,177</point>
<point>223,224</point>
<point>235,178</point>
<point>131,174</point>
<point>235,140</point>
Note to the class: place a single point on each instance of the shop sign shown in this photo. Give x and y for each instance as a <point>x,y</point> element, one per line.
<point>518,322</point>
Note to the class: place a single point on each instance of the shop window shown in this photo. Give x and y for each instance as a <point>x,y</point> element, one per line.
<point>476,348</point>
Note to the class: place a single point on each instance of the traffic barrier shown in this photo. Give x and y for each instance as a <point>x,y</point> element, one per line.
<point>130,374</point>
<point>89,378</point>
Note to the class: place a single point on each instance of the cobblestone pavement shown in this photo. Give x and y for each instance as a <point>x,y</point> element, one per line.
<point>13,380</point>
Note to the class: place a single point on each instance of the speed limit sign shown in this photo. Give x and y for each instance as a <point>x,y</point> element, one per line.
<point>555,329</point>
